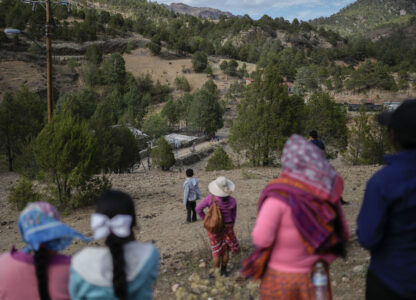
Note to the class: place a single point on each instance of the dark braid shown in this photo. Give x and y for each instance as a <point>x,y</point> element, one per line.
<point>41,259</point>
<point>114,203</point>
<point>115,245</point>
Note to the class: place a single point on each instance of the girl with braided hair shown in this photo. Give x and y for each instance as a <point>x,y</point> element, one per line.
<point>125,268</point>
<point>44,272</point>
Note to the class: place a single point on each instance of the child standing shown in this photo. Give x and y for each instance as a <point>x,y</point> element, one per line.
<point>191,193</point>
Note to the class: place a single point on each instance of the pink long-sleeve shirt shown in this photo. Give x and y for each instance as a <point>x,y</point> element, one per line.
<point>275,225</point>
<point>228,208</point>
<point>18,277</point>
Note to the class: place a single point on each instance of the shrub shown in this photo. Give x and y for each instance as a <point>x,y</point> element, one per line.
<point>162,156</point>
<point>23,193</point>
<point>182,83</point>
<point>219,161</point>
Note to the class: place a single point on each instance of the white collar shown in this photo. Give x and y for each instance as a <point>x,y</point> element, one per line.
<point>95,264</point>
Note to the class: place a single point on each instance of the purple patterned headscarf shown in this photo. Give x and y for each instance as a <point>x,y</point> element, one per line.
<point>306,163</point>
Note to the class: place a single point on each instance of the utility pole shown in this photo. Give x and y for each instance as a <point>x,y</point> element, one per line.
<point>49,60</point>
<point>47,5</point>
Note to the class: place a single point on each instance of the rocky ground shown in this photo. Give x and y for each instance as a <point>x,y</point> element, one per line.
<point>184,247</point>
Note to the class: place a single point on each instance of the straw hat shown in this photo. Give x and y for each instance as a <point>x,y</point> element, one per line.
<point>221,187</point>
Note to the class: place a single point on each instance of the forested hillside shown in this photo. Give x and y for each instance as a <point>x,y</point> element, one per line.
<point>363,16</point>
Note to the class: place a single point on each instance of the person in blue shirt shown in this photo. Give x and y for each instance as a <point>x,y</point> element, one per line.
<point>313,138</point>
<point>191,193</point>
<point>386,224</point>
<point>125,268</point>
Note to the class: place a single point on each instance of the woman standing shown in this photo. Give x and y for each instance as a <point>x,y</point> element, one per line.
<point>125,269</point>
<point>221,189</point>
<point>301,219</point>
<point>38,271</point>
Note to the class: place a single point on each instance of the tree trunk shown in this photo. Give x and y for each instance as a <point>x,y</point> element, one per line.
<point>10,158</point>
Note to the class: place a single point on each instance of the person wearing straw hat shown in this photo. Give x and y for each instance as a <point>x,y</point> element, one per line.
<point>221,190</point>
<point>38,271</point>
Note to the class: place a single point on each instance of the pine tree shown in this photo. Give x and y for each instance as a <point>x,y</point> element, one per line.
<point>162,156</point>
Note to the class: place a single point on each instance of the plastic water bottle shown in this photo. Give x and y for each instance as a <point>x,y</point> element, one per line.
<point>320,282</point>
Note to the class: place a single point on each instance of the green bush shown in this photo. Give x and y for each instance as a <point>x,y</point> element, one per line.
<point>182,83</point>
<point>23,193</point>
<point>89,191</point>
<point>162,156</point>
<point>219,161</point>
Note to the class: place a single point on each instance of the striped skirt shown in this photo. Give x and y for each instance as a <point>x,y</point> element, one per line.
<point>286,286</point>
<point>223,241</point>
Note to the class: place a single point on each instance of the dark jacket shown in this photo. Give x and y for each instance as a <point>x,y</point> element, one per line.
<point>386,224</point>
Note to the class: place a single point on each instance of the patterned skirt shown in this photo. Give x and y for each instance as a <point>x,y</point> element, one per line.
<point>286,286</point>
<point>223,241</point>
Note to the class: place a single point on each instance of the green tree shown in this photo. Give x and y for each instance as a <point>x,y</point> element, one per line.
<point>94,55</point>
<point>199,61</point>
<point>82,104</point>
<point>169,111</point>
<point>155,125</point>
<point>154,45</point>
<point>267,116</point>
<point>21,119</point>
<point>205,112</point>
<point>114,70</point>
<point>219,161</point>
<point>368,142</point>
<point>328,119</point>
<point>119,149</point>
<point>91,74</point>
<point>162,155</point>
<point>66,153</point>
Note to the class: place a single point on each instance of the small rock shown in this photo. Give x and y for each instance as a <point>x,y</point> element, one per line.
<point>334,283</point>
<point>175,287</point>
<point>345,279</point>
<point>179,274</point>
<point>8,227</point>
<point>358,268</point>
<point>202,265</point>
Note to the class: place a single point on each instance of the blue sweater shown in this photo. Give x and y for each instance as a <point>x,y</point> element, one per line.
<point>386,224</point>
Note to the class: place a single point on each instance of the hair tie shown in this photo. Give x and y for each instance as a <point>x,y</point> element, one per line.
<point>102,226</point>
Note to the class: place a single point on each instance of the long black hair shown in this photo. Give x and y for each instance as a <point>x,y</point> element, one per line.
<point>113,203</point>
<point>41,261</point>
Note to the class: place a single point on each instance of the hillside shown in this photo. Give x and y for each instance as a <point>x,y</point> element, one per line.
<point>203,12</point>
<point>363,16</point>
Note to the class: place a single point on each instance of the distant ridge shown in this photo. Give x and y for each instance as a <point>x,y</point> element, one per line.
<point>363,16</point>
<point>202,12</point>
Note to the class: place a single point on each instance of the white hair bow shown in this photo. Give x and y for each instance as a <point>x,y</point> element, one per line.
<point>102,226</point>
